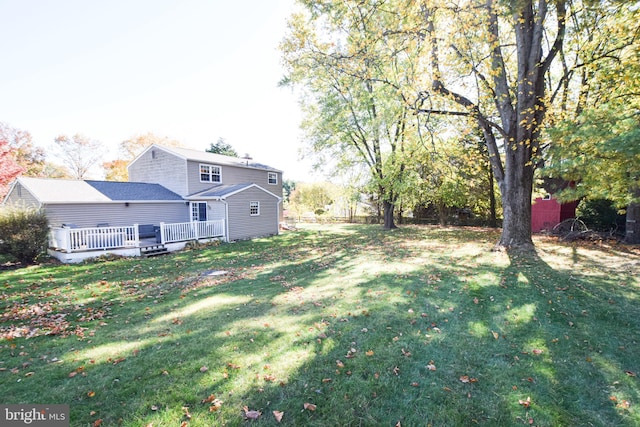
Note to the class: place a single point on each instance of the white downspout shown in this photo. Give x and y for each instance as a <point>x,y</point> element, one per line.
<point>278,216</point>
<point>226,220</point>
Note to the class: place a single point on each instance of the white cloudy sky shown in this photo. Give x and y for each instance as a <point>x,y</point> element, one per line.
<point>192,70</point>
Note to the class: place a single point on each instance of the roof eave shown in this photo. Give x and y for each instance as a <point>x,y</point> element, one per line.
<point>106,202</point>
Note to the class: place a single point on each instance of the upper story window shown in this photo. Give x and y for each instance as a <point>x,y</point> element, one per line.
<point>272,178</point>
<point>210,173</point>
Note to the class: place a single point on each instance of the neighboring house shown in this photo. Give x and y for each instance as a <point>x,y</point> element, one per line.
<point>174,195</point>
<point>547,212</point>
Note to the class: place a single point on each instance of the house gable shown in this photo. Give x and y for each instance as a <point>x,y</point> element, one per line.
<point>19,195</point>
<point>253,211</point>
<point>250,209</point>
<point>159,165</point>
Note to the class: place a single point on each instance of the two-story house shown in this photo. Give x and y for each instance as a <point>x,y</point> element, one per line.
<point>177,193</point>
<point>246,194</point>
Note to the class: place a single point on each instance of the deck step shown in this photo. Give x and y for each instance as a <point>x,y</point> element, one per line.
<point>153,250</point>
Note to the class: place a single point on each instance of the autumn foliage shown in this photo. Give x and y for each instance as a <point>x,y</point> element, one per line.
<point>9,168</point>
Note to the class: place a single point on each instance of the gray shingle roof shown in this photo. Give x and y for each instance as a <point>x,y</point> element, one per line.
<point>133,191</point>
<point>75,191</point>
<point>219,191</point>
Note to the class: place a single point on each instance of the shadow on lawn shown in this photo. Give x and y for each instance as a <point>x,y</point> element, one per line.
<point>537,345</point>
<point>434,342</point>
<point>580,343</point>
<point>137,356</point>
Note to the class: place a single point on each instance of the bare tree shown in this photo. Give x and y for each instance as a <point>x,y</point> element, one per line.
<point>79,153</point>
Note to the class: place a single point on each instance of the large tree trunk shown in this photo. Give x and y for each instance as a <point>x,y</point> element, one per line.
<point>516,207</point>
<point>388,215</point>
<point>515,181</point>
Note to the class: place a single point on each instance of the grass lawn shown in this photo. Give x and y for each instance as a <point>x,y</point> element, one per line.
<point>343,325</point>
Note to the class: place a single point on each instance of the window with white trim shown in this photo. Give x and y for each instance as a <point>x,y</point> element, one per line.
<point>210,173</point>
<point>272,178</point>
<point>254,208</point>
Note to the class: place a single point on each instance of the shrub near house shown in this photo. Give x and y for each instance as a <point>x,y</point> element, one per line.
<point>24,234</point>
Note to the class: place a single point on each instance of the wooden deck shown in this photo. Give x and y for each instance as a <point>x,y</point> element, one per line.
<point>73,244</point>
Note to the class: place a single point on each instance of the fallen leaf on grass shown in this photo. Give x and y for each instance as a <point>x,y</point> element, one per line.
<point>431,366</point>
<point>369,353</point>
<point>97,422</point>
<point>203,369</point>
<point>252,415</point>
<point>396,370</point>
<point>625,404</point>
<point>91,393</point>
<point>406,353</point>
<point>185,410</point>
<point>209,399</point>
<point>278,415</point>
<point>526,403</point>
<point>495,335</point>
<point>339,364</point>
<point>215,402</point>
<point>537,351</point>
<point>310,407</point>
<point>630,373</point>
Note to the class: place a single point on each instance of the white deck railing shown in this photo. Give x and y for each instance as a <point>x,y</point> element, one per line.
<point>93,238</point>
<point>102,238</point>
<point>179,232</point>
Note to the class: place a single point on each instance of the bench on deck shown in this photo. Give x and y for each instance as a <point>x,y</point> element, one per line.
<point>149,231</point>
